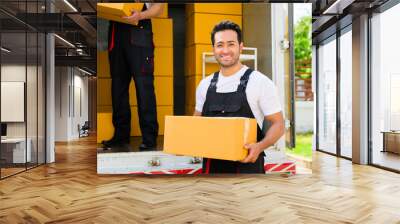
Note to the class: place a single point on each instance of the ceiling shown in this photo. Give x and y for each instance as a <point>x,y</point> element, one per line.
<point>72,20</point>
<point>330,15</point>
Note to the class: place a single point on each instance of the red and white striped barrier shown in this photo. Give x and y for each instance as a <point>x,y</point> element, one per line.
<point>286,167</point>
<point>182,171</point>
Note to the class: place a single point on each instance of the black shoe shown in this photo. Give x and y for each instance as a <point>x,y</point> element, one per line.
<point>113,143</point>
<point>144,147</point>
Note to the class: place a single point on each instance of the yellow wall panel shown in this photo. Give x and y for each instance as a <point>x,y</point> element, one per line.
<point>135,128</point>
<point>162,32</point>
<point>103,67</point>
<point>194,59</point>
<point>215,8</point>
<point>200,25</point>
<point>190,91</point>
<point>104,109</point>
<point>164,88</point>
<point>191,84</point>
<point>103,92</point>
<point>164,91</point>
<point>189,10</point>
<point>189,110</point>
<point>163,61</point>
<point>189,60</point>
<point>162,111</point>
<point>105,128</point>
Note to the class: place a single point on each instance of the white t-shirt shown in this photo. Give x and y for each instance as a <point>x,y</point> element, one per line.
<point>261,92</point>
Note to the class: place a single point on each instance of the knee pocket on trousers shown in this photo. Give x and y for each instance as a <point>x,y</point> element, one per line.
<point>147,60</point>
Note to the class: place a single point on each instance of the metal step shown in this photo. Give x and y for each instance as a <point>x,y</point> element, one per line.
<point>126,161</point>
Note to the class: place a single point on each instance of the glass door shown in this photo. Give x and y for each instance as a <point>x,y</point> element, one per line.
<point>327,96</point>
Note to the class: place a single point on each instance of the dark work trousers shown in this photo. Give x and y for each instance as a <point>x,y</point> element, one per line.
<point>233,104</point>
<point>131,55</point>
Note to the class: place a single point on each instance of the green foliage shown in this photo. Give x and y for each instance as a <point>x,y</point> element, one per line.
<point>302,39</point>
<point>302,47</point>
<point>303,146</point>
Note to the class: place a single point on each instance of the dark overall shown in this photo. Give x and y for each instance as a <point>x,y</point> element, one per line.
<point>233,104</point>
<point>131,55</point>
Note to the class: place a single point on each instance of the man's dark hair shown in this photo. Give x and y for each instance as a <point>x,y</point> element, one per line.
<point>226,25</point>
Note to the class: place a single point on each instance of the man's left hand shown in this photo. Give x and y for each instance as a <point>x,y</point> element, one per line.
<point>254,152</point>
<point>134,18</point>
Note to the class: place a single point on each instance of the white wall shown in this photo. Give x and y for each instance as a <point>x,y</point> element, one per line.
<point>33,126</point>
<point>385,75</point>
<point>82,82</point>
<point>17,73</point>
<point>71,94</point>
<point>14,73</point>
<point>80,111</point>
<point>304,116</point>
<point>61,103</point>
<point>314,90</point>
<point>278,24</point>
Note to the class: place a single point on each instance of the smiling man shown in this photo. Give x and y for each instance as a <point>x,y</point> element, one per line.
<point>237,91</point>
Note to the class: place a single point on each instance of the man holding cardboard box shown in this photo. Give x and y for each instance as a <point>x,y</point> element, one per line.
<point>131,55</point>
<point>237,91</point>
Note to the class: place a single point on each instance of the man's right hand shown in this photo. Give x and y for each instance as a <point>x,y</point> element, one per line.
<point>134,17</point>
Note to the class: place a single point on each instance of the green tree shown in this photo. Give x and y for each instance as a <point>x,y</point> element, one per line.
<point>302,46</point>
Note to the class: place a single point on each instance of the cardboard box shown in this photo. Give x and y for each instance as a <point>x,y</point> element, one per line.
<point>115,11</point>
<point>118,9</point>
<point>218,138</point>
<point>165,12</point>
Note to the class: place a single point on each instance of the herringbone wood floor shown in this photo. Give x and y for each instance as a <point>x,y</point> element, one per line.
<point>70,191</point>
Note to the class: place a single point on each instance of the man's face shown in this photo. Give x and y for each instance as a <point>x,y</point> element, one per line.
<point>227,49</point>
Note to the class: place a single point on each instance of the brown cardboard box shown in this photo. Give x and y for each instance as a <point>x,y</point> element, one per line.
<point>115,11</point>
<point>218,138</point>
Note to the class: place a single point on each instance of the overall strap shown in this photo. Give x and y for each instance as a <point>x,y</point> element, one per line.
<point>213,83</point>
<point>244,79</point>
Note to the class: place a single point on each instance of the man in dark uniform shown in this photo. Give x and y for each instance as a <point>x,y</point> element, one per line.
<point>238,91</point>
<point>131,55</point>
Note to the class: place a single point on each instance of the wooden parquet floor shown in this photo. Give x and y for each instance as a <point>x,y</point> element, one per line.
<point>70,191</point>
